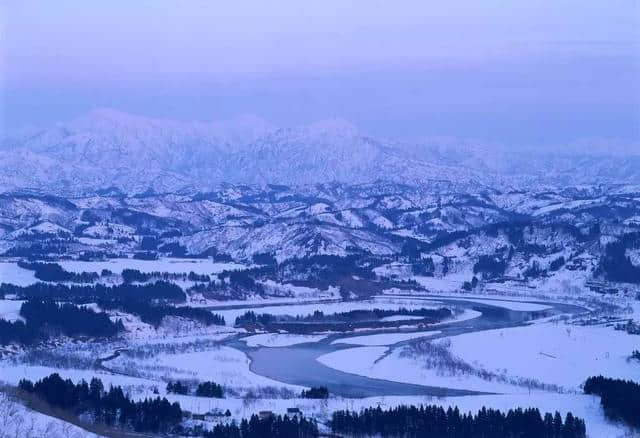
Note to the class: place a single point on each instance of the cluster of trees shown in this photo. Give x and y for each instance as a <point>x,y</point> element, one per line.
<point>556,264</point>
<point>615,265</point>
<point>204,389</point>
<point>18,332</point>
<point>424,267</point>
<point>241,280</point>
<point>490,266</point>
<point>374,314</point>
<point>263,319</point>
<point>55,272</point>
<point>435,422</point>
<point>46,318</point>
<point>209,389</point>
<point>315,392</point>
<point>470,285</point>
<point>177,387</point>
<point>251,318</point>
<point>154,313</point>
<point>619,398</point>
<point>41,251</point>
<point>145,255</point>
<point>270,427</point>
<point>111,407</point>
<point>136,276</point>
<point>234,284</point>
<point>330,269</point>
<point>69,319</point>
<point>160,290</point>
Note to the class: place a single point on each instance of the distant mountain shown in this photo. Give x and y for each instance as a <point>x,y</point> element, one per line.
<point>108,148</point>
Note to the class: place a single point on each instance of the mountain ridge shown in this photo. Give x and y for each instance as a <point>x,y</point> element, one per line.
<point>110,148</point>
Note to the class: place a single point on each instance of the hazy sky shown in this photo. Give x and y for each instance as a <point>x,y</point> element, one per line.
<point>510,71</point>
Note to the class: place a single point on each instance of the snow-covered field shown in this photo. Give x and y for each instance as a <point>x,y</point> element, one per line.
<point>549,353</point>
<point>171,265</point>
<point>553,353</point>
<point>507,304</point>
<point>230,315</point>
<point>10,309</point>
<point>378,362</point>
<point>384,338</point>
<point>280,339</point>
<point>17,421</point>
<point>10,272</point>
<point>584,406</point>
<point>224,365</point>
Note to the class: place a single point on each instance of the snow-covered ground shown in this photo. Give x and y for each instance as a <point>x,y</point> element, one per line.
<point>583,406</point>
<point>378,362</point>
<point>230,315</point>
<point>17,421</point>
<point>10,272</point>
<point>483,299</point>
<point>384,338</point>
<point>10,309</point>
<point>224,365</point>
<point>395,318</point>
<point>12,374</point>
<point>549,353</point>
<point>280,339</point>
<point>511,305</point>
<point>553,353</point>
<point>171,265</point>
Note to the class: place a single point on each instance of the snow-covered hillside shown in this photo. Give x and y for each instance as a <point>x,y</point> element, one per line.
<point>107,148</point>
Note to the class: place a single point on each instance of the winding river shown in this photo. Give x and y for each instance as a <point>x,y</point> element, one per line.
<point>297,364</point>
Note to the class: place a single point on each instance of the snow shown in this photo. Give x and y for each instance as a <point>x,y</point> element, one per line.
<point>511,305</point>
<point>378,362</point>
<point>10,309</point>
<point>395,318</point>
<point>10,272</point>
<point>224,365</point>
<point>522,306</point>
<point>280,340</point>
<point>384,338</point>
<point>13,373</point>
<point>553,353</point>
<point>230,315</point>
<point>171,265</point>
<point>16,420</point>
<point>583,406</point>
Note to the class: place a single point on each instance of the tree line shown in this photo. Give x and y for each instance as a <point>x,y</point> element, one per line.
<point>111,407</point>
<point>436,422</point>
<point>154,313</point>
<point>134,275</point>
<point>55,272</point>
<point>204,389</point>
<point>160,290</point>
<point>620,399</point>
<point>263,319</point>
<point>48,318</point>
<point>316,392</point>
<point>269,427</point>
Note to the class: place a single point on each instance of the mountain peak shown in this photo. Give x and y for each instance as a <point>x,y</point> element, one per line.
<point>334,126</point>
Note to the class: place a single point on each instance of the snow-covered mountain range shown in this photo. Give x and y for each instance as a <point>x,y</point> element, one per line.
<point>107,148</point>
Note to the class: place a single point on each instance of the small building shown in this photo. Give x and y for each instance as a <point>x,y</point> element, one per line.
<point>294,412</point>
<point>213,415</point>
<point>198,417</point>
<point>265,415</point>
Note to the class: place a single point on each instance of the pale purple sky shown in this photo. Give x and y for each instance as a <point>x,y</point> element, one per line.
<point>511,71</point>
